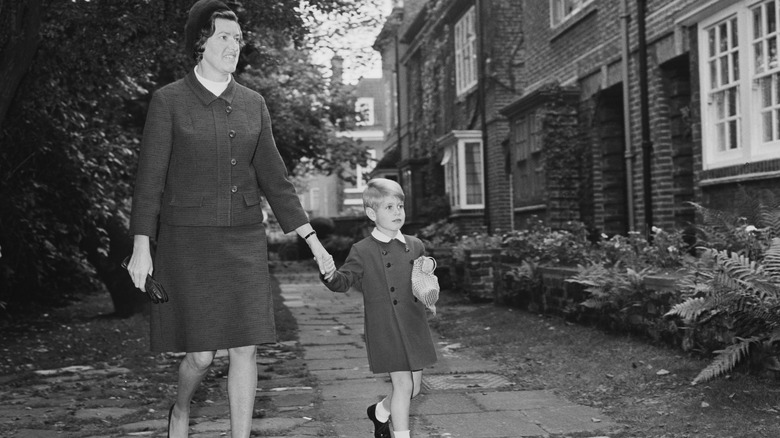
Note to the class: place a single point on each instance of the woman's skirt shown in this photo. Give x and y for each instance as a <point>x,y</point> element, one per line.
<point>218,286</point>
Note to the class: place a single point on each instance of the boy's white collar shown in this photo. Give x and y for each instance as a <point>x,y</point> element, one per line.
<point>384,238</point>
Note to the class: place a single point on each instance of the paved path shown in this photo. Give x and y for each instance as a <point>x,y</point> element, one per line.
<point>324,393</point>
<point>462,396</point>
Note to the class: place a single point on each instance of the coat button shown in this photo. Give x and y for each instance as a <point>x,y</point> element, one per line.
<point>411,262</point>
<point>233,161</point>
<point>388,265</point>
<point>384,252</point>
<point>232,134</point>
<point>415,299</point>
<point>228,109</point>
<point>392,289</point>
<point>395,302</point>
<point>234,189</point>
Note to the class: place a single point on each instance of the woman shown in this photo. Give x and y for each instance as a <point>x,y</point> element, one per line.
<point>207,157</point>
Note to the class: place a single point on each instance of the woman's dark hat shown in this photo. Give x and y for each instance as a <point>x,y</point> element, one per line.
<point>199,16</point>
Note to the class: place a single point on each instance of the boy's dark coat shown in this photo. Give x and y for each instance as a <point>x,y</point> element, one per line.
<point>396,326</point>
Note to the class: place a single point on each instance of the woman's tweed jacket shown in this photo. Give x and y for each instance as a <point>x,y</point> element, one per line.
<point>396,326</point>
<point>208,160</point>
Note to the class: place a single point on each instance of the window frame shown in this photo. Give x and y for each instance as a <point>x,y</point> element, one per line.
<point>465,37</point>
<point>557,8</point>
<point>751,145</point>
<point>456,173</point>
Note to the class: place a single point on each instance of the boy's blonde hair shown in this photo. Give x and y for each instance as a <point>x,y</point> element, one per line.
<point>378,189</point>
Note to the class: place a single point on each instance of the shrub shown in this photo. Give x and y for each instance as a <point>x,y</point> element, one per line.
<point>439,233</point>
<point>735,286</point>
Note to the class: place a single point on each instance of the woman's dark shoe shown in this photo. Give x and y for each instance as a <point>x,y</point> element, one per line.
<point>170,412</point>
<point>381,430</point>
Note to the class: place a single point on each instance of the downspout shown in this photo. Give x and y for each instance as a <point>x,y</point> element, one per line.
<point>398,97</point>
<point>482,109</point>
<point>647,144</point>
<point>628,153</point>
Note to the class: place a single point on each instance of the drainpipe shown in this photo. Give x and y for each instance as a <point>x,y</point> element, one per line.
<point>647,144</point>
<point>483,108</point>
<point>398,96</point>
<point>628,153</point>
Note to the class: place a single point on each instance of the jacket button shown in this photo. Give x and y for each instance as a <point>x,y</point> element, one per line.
<point>395,302</point>
<point>384,252</point>
<point>411,262</point>
<point>392,289</point>
<point>388,265</point>
<point>415,299</point>
<point>232,134</point>
<point>234,189</point>
<point>228,109</point>
<point>233,161</point>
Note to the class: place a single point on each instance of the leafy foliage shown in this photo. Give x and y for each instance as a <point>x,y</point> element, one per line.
<point>734,284</point>
<point>69,140</point>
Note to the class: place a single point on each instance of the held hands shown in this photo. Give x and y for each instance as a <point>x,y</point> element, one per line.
<point>324,260</point>
<point>325,263</point>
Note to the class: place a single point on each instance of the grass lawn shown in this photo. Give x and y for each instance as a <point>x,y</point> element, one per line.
<point>645,387</point>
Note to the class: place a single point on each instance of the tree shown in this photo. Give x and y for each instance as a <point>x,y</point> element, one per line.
<point>73,93</point>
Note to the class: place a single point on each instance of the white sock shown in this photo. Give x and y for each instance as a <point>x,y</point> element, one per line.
<point>401,434</point>
<point>382,414</point>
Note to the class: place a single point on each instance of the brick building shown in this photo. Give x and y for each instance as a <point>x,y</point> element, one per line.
<point>617,113</point>
<point>445,135</point>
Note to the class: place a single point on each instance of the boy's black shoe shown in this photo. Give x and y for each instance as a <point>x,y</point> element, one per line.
<point>381,430</point>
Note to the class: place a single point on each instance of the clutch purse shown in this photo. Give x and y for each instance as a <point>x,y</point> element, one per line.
<point>154,290</point>
<point>425,285</point>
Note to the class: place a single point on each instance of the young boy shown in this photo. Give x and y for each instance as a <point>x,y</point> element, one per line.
<point>398,340</point>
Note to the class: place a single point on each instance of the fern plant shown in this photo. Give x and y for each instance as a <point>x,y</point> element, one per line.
<point>728,285</point>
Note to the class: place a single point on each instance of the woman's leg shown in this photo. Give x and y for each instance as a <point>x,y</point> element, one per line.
<point>401,399</point>
<point>242,387</point>
<point>191,371</point>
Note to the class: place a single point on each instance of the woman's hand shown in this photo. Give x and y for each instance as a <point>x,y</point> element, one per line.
<point>324,260</point>
<point>141,262</point>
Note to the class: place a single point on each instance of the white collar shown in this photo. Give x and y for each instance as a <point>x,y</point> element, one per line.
<point>382,237</point>
<point>215,87</point>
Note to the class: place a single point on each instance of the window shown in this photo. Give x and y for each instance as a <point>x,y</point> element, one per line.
<point>362,172</point>
<point>740,84</point>
<point>529,173</point>
<point>364,107</point>
<point>562,10</point>
<point>466,52</point>
<point>463,171</point>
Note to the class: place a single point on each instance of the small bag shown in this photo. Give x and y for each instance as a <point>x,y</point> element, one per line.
<point>154,290</point>
<point>425,285</point>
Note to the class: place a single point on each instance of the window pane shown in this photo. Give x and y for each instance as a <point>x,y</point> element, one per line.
<point>776,125</point>
<point>776,87</point>
<point>720,105</point>
<point>734,33</point>
<point>733,134</point>
<point>732,96</point>
<point>766,121</point>
<point>713,75</point>
<point>772,46</point>
<point>758,52</point>
<point>735,66</point>
<point>771,18</point>
<point>757,29</point>
<point>711,39</point>
<point>766,92</point>
<point>723,38</point>
<point>724,70</point>
<point>473,173</point>
<point>721,128</point>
